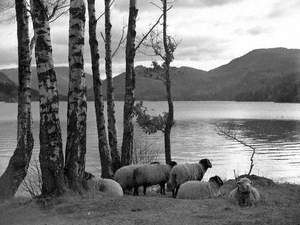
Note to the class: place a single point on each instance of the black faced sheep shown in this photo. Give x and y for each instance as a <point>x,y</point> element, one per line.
<point>148,175</point>
<point>200,190</point>
<point>244,194</point>
<point>185,172</point>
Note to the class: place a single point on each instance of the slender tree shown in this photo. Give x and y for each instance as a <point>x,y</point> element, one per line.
<point>163,47</point>
<point>77,105</point>
<point>105,156</point>
<point>51,154</point>
<point>111,127</point>
<point>168,58</point>
<point>127,144</point>
<point>19,162</point>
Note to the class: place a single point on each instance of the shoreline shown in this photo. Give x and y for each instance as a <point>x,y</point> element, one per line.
<point>279,205</point>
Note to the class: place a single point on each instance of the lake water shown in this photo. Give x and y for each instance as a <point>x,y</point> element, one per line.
<point>272,128</point>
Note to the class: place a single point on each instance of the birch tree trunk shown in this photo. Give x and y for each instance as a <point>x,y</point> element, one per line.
<point>51,154</point>
<point>19,162</point>
<point>105,157</point>
<point>168,59</point>
<point>77,106</point>
<point>127,144</point>
<point>111,127</point>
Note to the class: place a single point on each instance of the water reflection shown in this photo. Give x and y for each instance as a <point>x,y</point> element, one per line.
<point>194,136</point>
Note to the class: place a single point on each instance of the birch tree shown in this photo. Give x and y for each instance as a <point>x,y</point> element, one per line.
<point>19,162</point>
<point>77,106</point>
<point>127,144</point>
<point>111,119</point>
<point>51,154</point>
<point>105,157</point>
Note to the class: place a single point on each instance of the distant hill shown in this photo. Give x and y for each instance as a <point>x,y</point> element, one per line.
<point>8,89</point>
<point>260,75</point>
<point>62,75</point>
<point>184,80</point>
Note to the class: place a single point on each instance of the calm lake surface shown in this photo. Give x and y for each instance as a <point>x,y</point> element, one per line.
<point>272,128</point>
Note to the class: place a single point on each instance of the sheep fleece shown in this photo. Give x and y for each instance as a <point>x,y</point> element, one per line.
<point>185,172</point>
<point>197,190</point>
<point>151,174</point>
<point>124,176</point>
<point>107,186</point>
<point>254,195</point>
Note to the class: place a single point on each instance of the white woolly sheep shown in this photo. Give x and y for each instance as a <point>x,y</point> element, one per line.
<point>107,186</point>
<point>124,176</point>
<point>244,194</point>
<point>185,172</point>
<point>148,175</point>
<point>200,190</point>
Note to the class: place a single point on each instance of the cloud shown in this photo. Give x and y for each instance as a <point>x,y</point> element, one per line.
<point>146,5</point>
<point>282,8</point>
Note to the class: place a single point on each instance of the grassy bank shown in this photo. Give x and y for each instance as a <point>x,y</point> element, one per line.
<point>280,204</point>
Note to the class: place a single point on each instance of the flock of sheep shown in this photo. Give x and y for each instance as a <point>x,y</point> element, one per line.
<point>184,180</point>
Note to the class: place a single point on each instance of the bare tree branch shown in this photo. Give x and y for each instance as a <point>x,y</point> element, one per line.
<point>121,41</point>
<point>147,34</point>
<point>103,13</point>
<point>232,136</point>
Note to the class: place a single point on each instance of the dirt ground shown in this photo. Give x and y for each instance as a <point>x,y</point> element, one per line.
<point>280,204</point>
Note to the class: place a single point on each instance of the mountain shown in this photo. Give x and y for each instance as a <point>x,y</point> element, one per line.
<point>260,75</point>
<point>62,75</point>
<point>184,79</point>
<point>8,89</point>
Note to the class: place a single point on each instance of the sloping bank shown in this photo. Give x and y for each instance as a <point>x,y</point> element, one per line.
<point>280,204</point>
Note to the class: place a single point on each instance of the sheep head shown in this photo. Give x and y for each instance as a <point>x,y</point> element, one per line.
<point>244,188</point>
<point>205,163</point>
<point>217,180</point>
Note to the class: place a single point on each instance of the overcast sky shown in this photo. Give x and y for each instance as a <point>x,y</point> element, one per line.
<point>211,32</point>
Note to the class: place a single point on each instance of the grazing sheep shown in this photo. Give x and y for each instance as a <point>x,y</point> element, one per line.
<point>244,194</point>
<point>148,175</point>
<point>107,186</point>
<point>185,172</point>
<point>124,176</point>
<point>201,190</point>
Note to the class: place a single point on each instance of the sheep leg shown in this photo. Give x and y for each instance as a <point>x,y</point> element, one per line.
<point>176,190</point>
<point>136,190</point>
<point>162,188</point>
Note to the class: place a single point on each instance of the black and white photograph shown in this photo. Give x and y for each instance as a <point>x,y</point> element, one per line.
<point>149,112</point>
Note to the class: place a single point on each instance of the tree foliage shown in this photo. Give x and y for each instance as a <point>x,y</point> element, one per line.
<point>150,124</point>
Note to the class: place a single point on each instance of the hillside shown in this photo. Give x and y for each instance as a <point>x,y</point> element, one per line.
<point>184,81</point>
<point>8,90</point>
<point>260,75</point>
<point>62,74</point>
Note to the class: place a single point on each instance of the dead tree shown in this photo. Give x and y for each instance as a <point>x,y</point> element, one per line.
<point>105,156</point>
<point>19,162</point>
<point>233,136</point>
<point>77,103</point>
<point>51,154</point>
